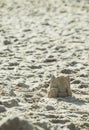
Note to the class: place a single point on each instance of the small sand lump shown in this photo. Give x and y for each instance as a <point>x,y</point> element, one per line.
<point>16,124</point>
<point>59,87</point>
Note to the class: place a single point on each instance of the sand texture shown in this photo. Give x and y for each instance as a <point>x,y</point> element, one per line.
<point>39,39</point>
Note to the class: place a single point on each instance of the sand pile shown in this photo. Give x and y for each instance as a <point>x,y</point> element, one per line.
<point>39,39</point>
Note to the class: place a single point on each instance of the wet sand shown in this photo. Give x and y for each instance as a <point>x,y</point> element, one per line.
<point>39,39</point>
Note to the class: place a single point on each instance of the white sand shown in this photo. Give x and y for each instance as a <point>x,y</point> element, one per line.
<point>39,38</point>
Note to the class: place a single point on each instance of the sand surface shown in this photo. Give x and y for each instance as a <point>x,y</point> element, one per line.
<point>38,39</point>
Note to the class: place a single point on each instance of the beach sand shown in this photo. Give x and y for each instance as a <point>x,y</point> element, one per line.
<point>39,39</point>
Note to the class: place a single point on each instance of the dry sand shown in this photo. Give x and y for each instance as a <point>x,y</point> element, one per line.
<point>38,39</point>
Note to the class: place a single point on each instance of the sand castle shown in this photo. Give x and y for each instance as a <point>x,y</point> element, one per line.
<point>16,124</point>
<point>59,87</point>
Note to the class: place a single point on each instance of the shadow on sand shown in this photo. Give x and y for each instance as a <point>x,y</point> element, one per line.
<point>72,100</point>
